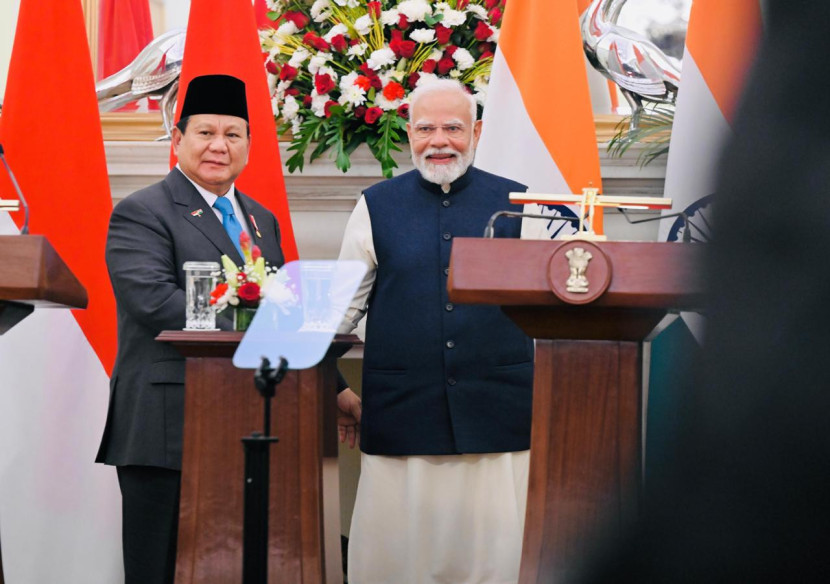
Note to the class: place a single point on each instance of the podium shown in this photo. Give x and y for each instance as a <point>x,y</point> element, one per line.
<point>32,274</point>
<point>221,407</point>
<point>586,437</point>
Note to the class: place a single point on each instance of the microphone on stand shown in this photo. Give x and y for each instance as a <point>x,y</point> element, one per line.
<point>25,229</point>
<point>489,231</point>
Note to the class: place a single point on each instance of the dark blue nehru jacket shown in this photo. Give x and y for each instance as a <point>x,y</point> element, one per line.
<point>438,377</point>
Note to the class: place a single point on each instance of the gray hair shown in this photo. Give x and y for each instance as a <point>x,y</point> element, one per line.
<point>443,86</point>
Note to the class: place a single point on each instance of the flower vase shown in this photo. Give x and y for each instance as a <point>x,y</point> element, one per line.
<point>242,317</point>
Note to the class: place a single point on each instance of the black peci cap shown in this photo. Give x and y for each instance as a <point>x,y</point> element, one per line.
<point>216,94</point>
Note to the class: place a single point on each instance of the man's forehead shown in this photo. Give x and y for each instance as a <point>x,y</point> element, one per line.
<point>216,120</point>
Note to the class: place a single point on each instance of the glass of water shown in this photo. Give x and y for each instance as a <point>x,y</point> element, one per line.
<point>200,280</point>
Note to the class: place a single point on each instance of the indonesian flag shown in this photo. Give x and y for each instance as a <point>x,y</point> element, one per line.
<point>222,38</point>
<point>721,42</point>
<point>60,517</point>
<point>538,127</point>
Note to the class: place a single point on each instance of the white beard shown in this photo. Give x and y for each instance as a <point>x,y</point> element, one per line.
<point>443,174</point>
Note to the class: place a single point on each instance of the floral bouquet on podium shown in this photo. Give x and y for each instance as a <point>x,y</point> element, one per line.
<point>244,286</point>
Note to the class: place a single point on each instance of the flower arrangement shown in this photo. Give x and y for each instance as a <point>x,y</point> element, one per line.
<point>245,286</point>
<point>341,71</point>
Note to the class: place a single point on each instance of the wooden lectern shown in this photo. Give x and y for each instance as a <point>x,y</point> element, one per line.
<point>32,274</point>
<point>221,407</point>
<point>585,457</point>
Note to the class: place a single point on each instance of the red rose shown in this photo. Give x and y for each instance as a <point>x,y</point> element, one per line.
<point>403,111</point>
<point>402,48</point>
<point>292,91</point>
<point>339,43</point>
<point>482,32</point>
<point>428,66</point>
<point>287,73</point>
<point>484,47</point>
<point>323,83</point>
<point>327,107</point>
<point>490,3</point>
<point>360,111</point>
<point>307,101</point>
<point>374,9</point>
<point>396,35</point>
<point>319,43</point>
<point>249,293</point>
<point>485,55</point>
<point>450,50</point>
<point>218,292</point>
<point>442,34</point>
<point>256,253</point>
<point>495,15</point>
<point>272,68</point>
<point>445,65</point>
<point>376,82</point>
<point>372,114</point>
<point>298,18</point>
<point>393,91</point>
<point>403,22</point>
<point>412,81</point>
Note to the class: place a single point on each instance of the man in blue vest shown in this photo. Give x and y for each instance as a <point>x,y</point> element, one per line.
<point>444,421</point>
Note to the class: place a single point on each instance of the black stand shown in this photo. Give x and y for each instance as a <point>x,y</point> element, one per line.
<point>257,472</point>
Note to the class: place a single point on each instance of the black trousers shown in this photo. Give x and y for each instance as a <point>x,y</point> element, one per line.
<point>150,513</point>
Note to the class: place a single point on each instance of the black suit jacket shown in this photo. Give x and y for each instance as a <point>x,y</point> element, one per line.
<point>151,234</point>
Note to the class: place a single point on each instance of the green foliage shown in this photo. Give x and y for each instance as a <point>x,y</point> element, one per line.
<point>652,127</point>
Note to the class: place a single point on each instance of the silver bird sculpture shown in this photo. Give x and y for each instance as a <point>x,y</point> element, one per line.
<point>637,65</point>
<point>153,73</point>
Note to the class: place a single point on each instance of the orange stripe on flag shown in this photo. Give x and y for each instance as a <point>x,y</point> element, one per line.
<point>54,145</point>
<point>723,38</point>
<point>222,38</point>
<point>541,43</point>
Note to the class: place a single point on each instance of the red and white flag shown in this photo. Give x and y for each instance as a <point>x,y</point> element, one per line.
<point>721,43</point>
<point>60,513</point>
<point>222,38</point>
<point>538,126</point>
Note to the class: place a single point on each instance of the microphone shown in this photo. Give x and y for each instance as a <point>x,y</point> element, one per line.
<point>687,224</point>
<point>25,229</point>
<point>489,232</point>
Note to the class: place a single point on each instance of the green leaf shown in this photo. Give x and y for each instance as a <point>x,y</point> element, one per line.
<point>272,15</point>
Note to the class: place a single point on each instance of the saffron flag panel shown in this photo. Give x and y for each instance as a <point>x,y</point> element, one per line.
<point>538,127</point>
<point>59,512</point>
<point>222,38</point>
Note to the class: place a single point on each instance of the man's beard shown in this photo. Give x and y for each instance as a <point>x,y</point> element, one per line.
<point>443,174</point>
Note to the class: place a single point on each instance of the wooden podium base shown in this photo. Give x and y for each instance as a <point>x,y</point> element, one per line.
<point>584,454</point>
<point>222,406</point>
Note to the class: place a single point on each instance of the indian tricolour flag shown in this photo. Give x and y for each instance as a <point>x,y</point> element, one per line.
<point>721,42</point>
<point>60,517</point>
<point>538,126</point>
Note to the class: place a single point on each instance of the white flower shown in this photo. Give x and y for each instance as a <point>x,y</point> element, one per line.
<point>422,35</point>
<point>390,17</point>
<point>275,5</point>
<point>463,58</point>
<point>381,58</point>
<point>318,104</point>
<point>415,10</point>
<point>317,61</point>
<point>337,29</point>
<point>320,10</point>
<point>453,17</point>
<point>494,38</point>
<point>348,3</point>
<point>299,57</point>
<point>352,94</point>
<point>478,11</point>
<point>290,107</point>
<point>480,82</point>
<point>363,24</point>
<point>357,50</point>
<point>481,95</point>
<point>385,104</point>
<point>275,106</point>
<point>426,78</point>
<point>454,74</point>
<point>295,125</point>
<point>284,32</point>
<point>282,86</point>
<point>436,55</point>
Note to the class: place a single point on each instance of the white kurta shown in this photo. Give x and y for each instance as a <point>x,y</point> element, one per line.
<point>431,519</point>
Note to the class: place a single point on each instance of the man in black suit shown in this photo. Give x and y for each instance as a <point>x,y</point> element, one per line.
<point>152,233</point>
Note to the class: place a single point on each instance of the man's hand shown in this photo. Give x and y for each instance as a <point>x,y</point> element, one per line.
<point>348,417</point>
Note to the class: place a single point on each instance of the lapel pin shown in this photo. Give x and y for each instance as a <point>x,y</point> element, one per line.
<point>197,213</point>
<point>256,228</point>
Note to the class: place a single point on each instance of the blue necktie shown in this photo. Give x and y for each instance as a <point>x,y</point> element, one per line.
<point>230,222</point>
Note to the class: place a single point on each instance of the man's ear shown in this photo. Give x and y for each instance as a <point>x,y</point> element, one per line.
<point>476,133</point>
<point>176,139</point>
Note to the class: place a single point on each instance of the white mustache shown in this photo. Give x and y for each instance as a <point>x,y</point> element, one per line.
<point>435,151</point>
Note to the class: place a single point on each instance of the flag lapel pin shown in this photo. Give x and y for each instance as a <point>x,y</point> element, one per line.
<point>256,228</point>
<point>197,213</point>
